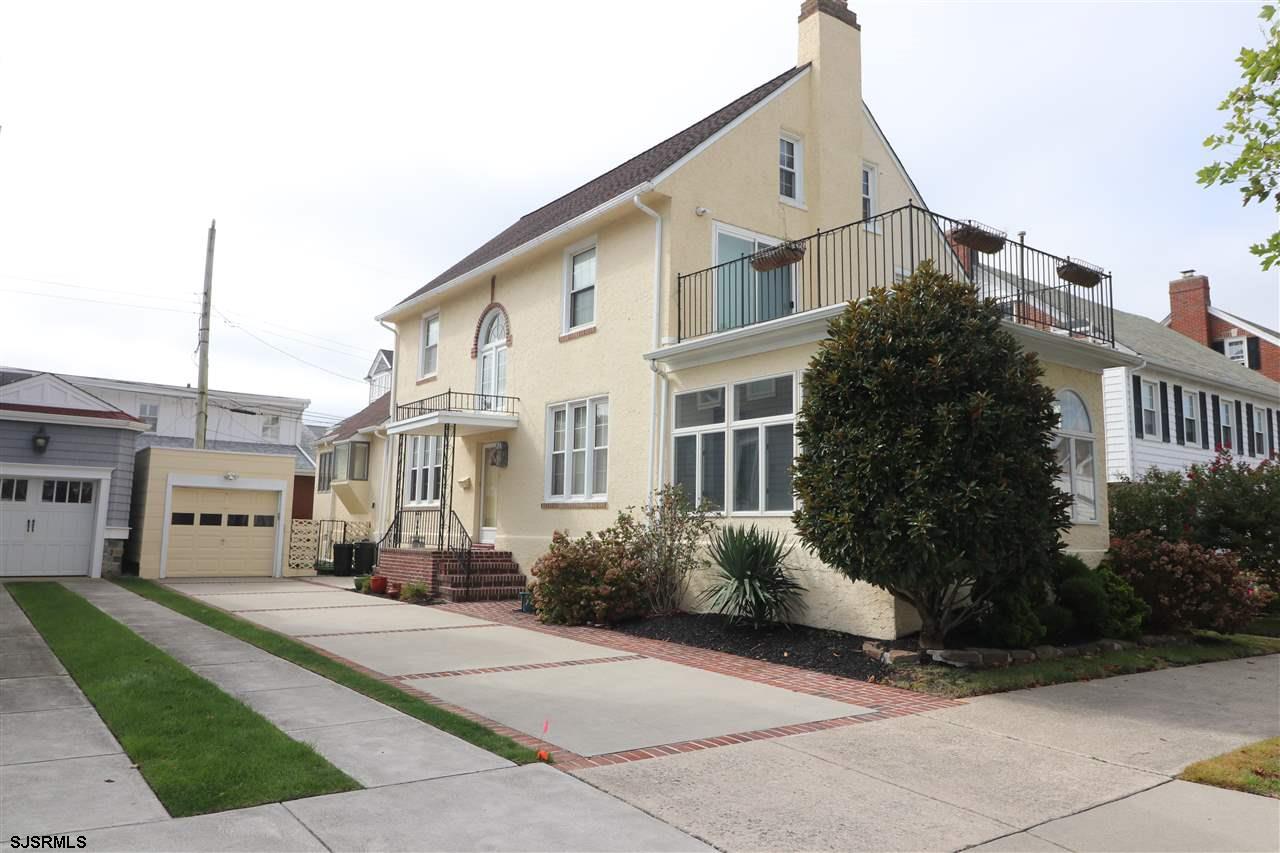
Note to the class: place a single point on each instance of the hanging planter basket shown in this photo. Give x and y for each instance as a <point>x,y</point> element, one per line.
<point>1079,272</point>
<point>979,237</point>
<point>782,255</point>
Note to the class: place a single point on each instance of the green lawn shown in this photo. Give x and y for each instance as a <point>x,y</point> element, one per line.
<point>200,749</point>
<point>305,656</point>
<point>948,681</point>
<point>1254,769</point>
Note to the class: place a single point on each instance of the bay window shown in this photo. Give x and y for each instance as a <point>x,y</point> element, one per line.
<point>324,471</point>
<point>577,465</point>
<point>737,458</point>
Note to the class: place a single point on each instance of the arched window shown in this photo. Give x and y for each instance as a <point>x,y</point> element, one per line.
<point>1074,446</point>
<point>491,357</point>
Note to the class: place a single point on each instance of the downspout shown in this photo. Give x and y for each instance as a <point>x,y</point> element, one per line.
<point>388,470</point>
<point>657,337</point>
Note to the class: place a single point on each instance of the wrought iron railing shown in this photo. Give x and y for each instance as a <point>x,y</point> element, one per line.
<point>431,529</point>
<point>330,532</point>
<point>1031,286</point>
<point>458,401</point>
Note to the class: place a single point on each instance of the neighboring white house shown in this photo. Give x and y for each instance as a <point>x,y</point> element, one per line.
<point>1182,404</point>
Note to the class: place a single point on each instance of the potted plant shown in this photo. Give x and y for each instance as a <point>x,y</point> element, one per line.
<point>378,584</point>
<point>360,583</point>
<point>979,237</point>
<point>781,255</point>
<point>1079,272</point>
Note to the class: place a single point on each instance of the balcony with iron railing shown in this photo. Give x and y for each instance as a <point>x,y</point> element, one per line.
<point>829,268</point>
<point>467,412</point>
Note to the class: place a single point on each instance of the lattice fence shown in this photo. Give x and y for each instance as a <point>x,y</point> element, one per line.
<point>312,540</point>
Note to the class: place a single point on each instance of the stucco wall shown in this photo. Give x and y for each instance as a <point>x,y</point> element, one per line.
<point>90,447</point>
<point>156,463</point>
<point>1088,539</point>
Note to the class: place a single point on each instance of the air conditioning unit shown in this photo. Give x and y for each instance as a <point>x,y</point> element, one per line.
<point>496,455</point>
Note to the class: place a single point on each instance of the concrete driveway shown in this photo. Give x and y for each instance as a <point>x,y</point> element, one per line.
<point>588,699</point>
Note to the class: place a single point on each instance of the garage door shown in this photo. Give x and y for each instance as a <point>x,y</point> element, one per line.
<point>46,526</point>
<point>221,532</point>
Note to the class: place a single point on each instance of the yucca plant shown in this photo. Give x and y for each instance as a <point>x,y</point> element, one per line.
<point>753,583</point>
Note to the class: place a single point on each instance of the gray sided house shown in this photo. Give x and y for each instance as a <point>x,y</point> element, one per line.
<point>66,478</point>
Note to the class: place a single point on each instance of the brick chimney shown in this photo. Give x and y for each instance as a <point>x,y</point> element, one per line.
<point>1189,306</point>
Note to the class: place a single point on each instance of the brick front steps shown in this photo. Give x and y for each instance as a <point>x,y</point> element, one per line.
<point>494,576</point>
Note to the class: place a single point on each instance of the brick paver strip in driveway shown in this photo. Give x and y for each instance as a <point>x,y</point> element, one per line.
<point>627,705</point>
<point>61,770</point>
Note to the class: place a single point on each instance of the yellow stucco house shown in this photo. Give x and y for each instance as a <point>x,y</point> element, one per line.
<point>651,326</point>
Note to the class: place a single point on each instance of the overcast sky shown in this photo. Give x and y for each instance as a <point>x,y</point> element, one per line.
<point>352,151</point>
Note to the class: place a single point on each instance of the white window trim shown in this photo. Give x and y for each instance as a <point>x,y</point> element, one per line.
<point>566,292</point>
<point>422,344</point>
<point>1191,412</point>
<point>588,481</point>
<point>271,421</point>
<point>431,469</point>
<point>149,402</point>
<point>728,426</point>
<point>765,240</point>
<point>798,142</point>
<point>1259,432</point>
<point>1092,438</point>
<point>873,225</point>
<point>1226,421</point>
<point>1244,349</point>
<point>1155,434</point>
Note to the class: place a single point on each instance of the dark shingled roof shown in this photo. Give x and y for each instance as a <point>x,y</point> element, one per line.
<point>643,167</point>
<point>371,415</point>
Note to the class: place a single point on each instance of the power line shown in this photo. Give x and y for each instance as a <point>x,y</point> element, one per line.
<point>285,352</point>
<point>360,358</point>
<point>100,301</point>
<point>355,350</point>
<point>99,289</point>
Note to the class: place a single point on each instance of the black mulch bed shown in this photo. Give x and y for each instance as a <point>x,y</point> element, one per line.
<point>807,648</point>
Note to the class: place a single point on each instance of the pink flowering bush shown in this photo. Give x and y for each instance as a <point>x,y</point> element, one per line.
<point>1188,586</point>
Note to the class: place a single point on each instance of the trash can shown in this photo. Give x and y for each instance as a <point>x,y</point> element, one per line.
<point>366,557</point>
<point>343,557</point>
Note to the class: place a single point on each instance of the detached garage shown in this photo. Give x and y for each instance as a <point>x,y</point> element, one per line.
<point>210,513</point>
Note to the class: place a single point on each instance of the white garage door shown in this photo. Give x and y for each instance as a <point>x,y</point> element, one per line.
<point>46,525</point>
<point>221,532</point>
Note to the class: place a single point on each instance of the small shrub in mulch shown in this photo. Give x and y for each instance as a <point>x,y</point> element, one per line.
<point>807,648</point>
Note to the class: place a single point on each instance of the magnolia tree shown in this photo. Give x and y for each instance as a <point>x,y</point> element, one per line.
<point>926,466</point>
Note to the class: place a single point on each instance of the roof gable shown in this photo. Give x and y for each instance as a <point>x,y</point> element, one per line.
<point>371,415</point>
<point>1248,325</point>
<point>381,363</point>
<point>1163,346</point>
<point>45,389</point>
<point>628,176</point>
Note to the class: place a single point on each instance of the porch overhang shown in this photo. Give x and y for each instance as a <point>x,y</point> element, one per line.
<point>463,423</point>
<point>1072,351</point>
<point>782,332</point>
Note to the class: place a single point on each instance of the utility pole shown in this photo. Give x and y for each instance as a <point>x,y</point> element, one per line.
<point>206,307</point>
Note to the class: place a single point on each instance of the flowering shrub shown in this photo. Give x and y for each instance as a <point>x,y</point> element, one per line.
<point>596,578</point>
<point>1226,504</point>
<point>1187,586</point>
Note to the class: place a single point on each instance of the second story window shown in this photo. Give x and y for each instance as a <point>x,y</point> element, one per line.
<point>1259,437</point>
<point>869,181</point>
<point>790,168</point>
<point>1150,409</point>
<point>271,428</point>
<point>430,359</point>
<point>150,412</point>
<point>1190,418</point>
<point>581,298</point>
<point>324,471</point>
<point>1226,415</point>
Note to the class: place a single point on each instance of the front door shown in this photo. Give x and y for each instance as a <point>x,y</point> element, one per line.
<point>489,477</point>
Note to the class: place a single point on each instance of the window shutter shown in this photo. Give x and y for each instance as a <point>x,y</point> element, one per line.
<point>1248,417</point>
<point>1204,422</point>
<point>1271,432</point>
<point>1239,445</point>
<point>1137,405</point>
<point>1217,422</point>
<point>1164,412</point>
<point>1220,347</point>
<point>1177,414</point>
<point>1254,350</point>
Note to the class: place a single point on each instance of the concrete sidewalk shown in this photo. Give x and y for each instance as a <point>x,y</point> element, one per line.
<point>62,772</point>
<point>1084,766</point>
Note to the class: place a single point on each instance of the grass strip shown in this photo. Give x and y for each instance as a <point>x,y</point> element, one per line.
<point>200,749</point>
<point>308,658</point>
<point>958,683</point>
<point>1254,769</point>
